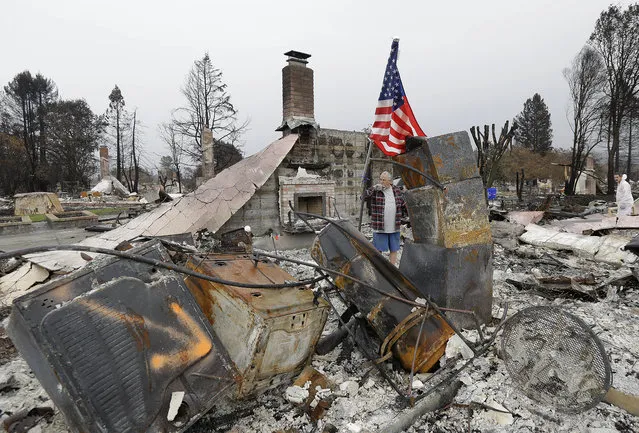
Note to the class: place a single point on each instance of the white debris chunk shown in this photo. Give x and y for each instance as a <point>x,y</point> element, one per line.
<point>353,427</point>
<point>320,394</point>
<point>419,301</point>
<point>369,384</point>
<point>296,394</point>
<point>418,384</point>
<point>350,386</point>
<point>174,405</point>
<point>500,416</point>
<point>455,346</point>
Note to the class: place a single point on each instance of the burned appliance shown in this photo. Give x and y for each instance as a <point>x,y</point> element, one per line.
<point>122,346</point>
<point>270,334</point>
<point>415,336</point>
<point>451,258</point>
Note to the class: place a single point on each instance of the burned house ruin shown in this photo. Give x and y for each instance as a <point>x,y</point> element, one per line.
<point>323,171</point>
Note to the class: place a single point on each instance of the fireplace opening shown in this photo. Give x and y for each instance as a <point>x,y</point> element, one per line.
<point>313,204</point>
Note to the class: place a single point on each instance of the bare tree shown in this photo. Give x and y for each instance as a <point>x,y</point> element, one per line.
<point>633,114</point>
<point>173,140</point>
<point>207,105</point>
<point>26,100</point>
<point>616,38</point>
<point>586,78</point>
<point>131,149</point>
<point>489,152</point>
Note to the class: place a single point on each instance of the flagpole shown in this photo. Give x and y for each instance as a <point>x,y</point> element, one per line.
<point>368,160</point>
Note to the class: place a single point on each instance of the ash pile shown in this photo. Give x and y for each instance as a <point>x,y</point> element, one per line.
<point>194,335</point>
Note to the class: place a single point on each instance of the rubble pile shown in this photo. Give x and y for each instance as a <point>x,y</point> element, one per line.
<point>359,399</point>
<point>167,325</point>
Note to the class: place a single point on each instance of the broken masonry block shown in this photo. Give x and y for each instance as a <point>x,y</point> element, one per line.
<point>270,334</point>
<point>114,342</point>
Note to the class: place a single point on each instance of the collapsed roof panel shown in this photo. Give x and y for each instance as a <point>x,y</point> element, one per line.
<point>209,206</point>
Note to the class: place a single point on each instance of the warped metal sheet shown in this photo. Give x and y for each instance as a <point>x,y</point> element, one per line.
<point>114,343</point>
<point>457,278</point>
<point>456,217</point>
<point>342,248</point>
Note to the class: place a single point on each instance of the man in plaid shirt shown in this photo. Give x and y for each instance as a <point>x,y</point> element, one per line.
<point>387,209</point>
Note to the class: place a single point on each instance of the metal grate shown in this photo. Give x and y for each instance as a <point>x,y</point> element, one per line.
<point>554,358</point>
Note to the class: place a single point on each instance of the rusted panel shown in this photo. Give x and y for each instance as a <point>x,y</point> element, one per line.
<point>456,217</point>
<point>113,342</point>
<point>453,241</point>
<point>269,333</point>
<point>458,278</point>
<point>447,158</point>
<point>342,248</point>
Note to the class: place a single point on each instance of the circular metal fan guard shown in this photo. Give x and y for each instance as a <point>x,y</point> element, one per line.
<point>556,359</point>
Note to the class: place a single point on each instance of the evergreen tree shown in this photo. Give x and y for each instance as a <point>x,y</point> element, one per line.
<point>534,130</point>
<point>116,113</point>
<point>208,105</point>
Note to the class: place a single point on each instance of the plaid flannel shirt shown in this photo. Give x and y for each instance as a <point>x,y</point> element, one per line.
<point>376,197</point>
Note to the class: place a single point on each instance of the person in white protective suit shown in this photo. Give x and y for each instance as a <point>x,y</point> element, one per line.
<point>624,196</point>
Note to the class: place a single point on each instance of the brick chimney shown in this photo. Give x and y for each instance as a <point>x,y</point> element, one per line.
<point>104,163</point>
<point>297,90</point>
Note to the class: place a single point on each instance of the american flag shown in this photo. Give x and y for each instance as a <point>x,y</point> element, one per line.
<point>394,119</point>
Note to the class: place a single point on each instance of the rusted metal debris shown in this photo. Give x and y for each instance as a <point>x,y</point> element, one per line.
<point>342,248</point>
<point>451,259</point>
<point>23,421</point>
<point>269,334</point>
<point>122,346</point>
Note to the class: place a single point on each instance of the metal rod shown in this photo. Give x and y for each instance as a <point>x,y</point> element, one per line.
<point>334,206</point>
<point>370,357</point>
<point>412,367</point>
<point>366,164</point>
<point>411,168</point>
<point>153,262</point>
<point>299,214</point>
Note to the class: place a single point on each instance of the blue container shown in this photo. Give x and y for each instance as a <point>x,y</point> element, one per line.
<point>492,193</point>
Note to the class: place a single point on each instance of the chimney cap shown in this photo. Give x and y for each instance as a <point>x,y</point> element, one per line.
<point>297,55</point>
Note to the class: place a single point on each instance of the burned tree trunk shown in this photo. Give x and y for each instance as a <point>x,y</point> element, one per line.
<point>490,152</point>
<point>520,184</point>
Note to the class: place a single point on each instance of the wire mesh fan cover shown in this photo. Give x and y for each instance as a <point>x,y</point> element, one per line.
<point>555,358</point>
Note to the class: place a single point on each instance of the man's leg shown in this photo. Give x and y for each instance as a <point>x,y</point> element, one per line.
<point>393,241</point>
<point>380,241</point>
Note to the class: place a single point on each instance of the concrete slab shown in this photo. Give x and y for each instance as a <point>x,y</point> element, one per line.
<point>525,218</point>
<point>37,203</point>
<point>606,249</point>
<point>17,283</point>
<point>611,251</point>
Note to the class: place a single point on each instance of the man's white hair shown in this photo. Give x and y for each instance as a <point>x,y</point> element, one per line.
<point>386,175</point>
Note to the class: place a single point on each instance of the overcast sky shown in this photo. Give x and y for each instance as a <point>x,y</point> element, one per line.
<point>462,63</point>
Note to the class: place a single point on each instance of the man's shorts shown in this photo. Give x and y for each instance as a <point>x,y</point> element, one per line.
<point>386,241</point>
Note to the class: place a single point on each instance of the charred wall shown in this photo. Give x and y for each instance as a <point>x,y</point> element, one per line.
<point>333,154</point>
